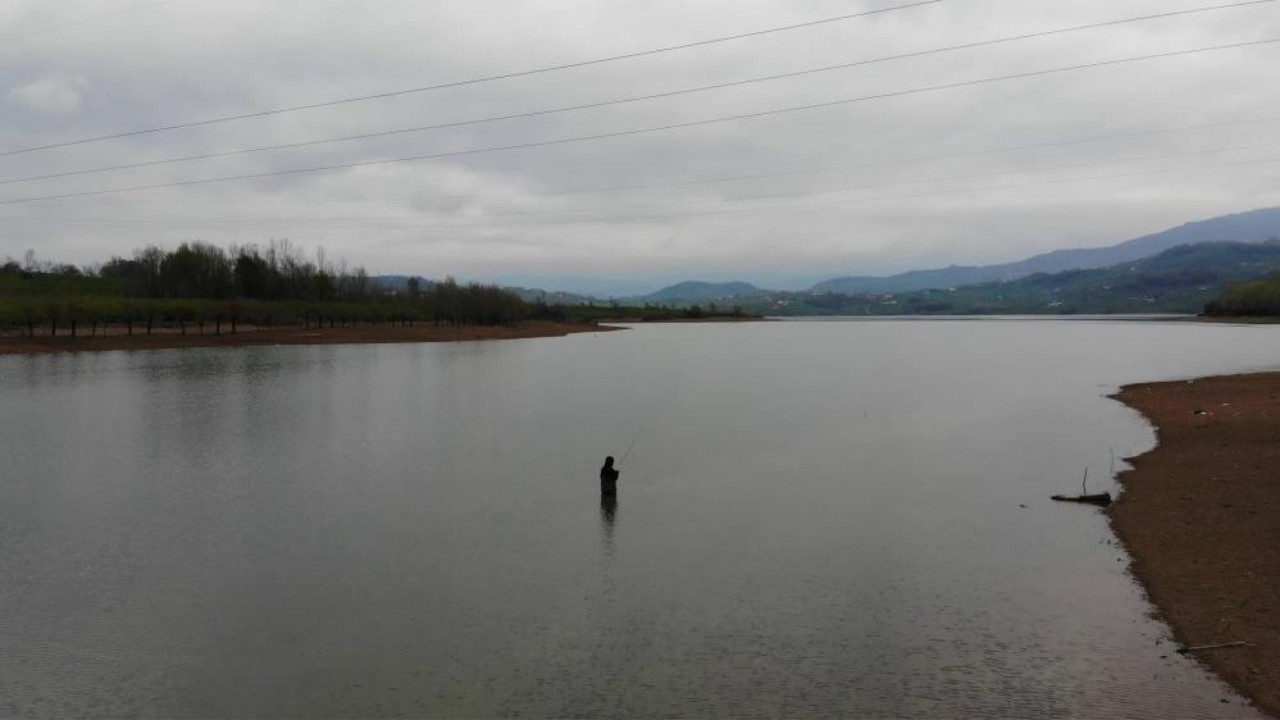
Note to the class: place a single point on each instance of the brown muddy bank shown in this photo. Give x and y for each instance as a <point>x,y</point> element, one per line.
<point>1200,515</point>
<point>117,338</point>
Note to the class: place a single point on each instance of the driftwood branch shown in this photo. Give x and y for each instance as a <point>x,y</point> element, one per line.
<point>1241,643</point>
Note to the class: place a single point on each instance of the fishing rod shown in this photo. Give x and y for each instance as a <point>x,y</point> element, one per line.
<point>633,444</point>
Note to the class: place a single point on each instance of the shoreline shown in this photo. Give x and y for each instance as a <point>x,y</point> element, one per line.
<point>115,338</point>
<point>1198,516</point>
<point>1236,319</point>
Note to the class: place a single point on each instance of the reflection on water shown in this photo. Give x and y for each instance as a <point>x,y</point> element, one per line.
<point>823,519</point>
<point>608,517</point>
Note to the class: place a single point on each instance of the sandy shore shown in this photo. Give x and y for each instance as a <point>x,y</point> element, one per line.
<point>116,338</point>
<point>1200,515</point>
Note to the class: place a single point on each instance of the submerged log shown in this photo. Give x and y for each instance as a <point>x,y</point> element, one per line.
<point>1240,643</point>
<point>1093,499</point>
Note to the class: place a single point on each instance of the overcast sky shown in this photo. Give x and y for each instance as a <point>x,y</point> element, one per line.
<point>969,175</point>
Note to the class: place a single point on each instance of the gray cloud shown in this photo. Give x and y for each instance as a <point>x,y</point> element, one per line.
<point>51,94</point>
<point>505,214</point>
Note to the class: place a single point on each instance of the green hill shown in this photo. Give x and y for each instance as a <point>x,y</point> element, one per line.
<point>1179,280</point>
<point>1252,226</point>
<point>1256,299</point>
<point>698,291</point>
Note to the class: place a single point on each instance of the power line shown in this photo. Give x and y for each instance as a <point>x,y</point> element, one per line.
<point>12,39</point>
<point>640,131</point>
<point>877,186</point>
<point>750,176</point>
<point>620,101</point>
<point>797,206</point>
<point>770,196</point>
<point>472,81</point>
<point>856,166</point>
<point>960,191</point>
<point>827,203</point>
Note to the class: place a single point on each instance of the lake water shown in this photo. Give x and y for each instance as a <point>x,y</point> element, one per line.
<point>814,519</point>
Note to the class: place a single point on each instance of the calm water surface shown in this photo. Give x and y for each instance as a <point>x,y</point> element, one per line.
<point>814,519</point>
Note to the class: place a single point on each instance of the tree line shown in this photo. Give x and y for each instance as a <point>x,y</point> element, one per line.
<point>278,271</point>
<point>199,286</point>
<point>1256,299</point>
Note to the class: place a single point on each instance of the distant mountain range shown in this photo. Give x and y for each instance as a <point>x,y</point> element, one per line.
<point>1254,226</point>
<point>696,291</point>
<point>1251,226</point>
<point>1181,279</point>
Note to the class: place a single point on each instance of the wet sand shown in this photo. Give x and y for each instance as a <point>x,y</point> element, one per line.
<point>1200,515</point>
<point>116,338</point>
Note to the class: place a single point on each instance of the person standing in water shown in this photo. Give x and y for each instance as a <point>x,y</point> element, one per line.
<point>608,478</point>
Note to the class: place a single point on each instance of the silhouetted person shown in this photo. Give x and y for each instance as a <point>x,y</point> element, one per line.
<point>608,478</point>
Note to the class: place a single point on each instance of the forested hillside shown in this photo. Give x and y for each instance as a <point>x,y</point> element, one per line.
<point>1256,299</point>
<point>1251,226</point>
<point>1178,280</point>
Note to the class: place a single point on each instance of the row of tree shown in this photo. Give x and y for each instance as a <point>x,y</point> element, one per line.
<point>278,271</point>
<point>1259,298</point>
<point>201,287</point>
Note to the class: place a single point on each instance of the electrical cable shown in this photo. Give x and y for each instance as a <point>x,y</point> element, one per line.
<point>774,196</point>
<point>646,130</point>
<point>876,186</point>
<point>733,178</point>
<point>618,101</point>
<point>14,39</point>
<point>472,81</point>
